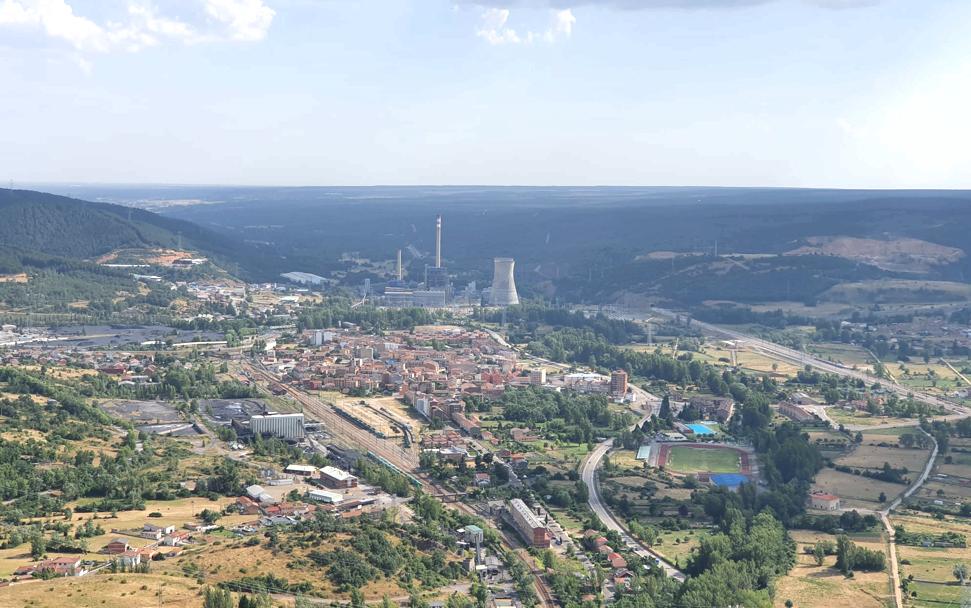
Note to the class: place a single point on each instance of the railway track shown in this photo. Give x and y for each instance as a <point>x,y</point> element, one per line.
<point>344,431</point>
<point>349,435</point>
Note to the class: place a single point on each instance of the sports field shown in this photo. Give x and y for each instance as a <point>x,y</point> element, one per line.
<point>689,459</point>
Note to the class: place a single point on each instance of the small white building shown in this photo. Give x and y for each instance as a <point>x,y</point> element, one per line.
<point>324,496</point>
<point>824,502</point>
<point>303,470</point>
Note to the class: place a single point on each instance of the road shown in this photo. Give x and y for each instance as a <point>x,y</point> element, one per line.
<point>588,473</point>
<point>884,515</point>
<point>800,358</point>
<point>793,356</point>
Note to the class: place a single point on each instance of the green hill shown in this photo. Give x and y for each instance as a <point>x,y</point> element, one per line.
<point>40,224</point>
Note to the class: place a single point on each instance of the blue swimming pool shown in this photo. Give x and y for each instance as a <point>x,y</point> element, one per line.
<point>700,429</point>
<point>728,480</point>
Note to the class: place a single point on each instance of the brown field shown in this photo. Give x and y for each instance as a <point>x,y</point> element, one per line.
<point>873,457</point>
<point>105,591</point>
<point>176,513</point>
<point>812,586</point>
<point>891,291</point>
<point>62,373</point>
<point>14,278</point>
<point>932,567</point>
<point>855,490</point>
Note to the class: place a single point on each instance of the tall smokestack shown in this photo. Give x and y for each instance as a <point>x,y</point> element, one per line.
<point>438,241</point>
<point>504,283</point>
<point>400,275</point>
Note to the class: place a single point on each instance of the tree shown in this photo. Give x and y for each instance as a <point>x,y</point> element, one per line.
<point>819,554</point>
<point>961,573</point>
<point>458,601</point>
<point>480,594</point>
<point>217,598</point>
<point>38,546</point>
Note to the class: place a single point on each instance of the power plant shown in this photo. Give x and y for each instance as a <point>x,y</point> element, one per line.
<point>504,283</point>
<point>436,290</point>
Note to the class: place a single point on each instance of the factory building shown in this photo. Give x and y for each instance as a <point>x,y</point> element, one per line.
<point>436,290</point>
<point>528,524</point>
<point>284,426</point>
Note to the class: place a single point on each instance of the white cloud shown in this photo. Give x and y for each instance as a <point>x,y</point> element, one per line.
<point>142,26</point>
<point>562,25</point>
<point>247,20</point>
<point>493,27</point>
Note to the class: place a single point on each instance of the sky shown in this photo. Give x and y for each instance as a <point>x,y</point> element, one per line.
<point>807,93</point>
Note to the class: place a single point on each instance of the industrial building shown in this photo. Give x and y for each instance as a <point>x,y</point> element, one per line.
<point>433,293</point>
<point>301,470</point>
<point>503,291</point>
<point>324,496</point>
<point>284,426</point>
<point>528,524</point>
<point>332,477</point>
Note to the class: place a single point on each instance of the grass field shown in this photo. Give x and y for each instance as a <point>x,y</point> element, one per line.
<point>812,586</point>
<point>684,459</point>
<point>855,491</point>
<point>932,567</point>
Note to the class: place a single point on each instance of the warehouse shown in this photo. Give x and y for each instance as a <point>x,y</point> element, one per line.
<point>337,478</point>
<point>284,426</point>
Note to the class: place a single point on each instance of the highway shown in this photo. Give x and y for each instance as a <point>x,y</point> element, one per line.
<point>790,355</point>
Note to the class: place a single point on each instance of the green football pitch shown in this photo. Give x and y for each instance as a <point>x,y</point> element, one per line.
<point>685,459</point>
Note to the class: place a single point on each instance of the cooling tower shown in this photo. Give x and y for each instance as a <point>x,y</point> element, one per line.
<point>504,283</point>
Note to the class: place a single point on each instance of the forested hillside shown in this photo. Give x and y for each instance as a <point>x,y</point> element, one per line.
<point>38,227</point>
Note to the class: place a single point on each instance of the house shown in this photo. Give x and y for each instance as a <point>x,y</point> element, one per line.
<point>59,566</point>
<point>617,561</point>
<point>482,479</point>
<point>117,546</point>
<point>247,506</point>
<point>795,412</point>
<point>129,559</point>
<point>153,532</point>
<point>523,435</point>
<point>176,538</point>
<point>824,502</point>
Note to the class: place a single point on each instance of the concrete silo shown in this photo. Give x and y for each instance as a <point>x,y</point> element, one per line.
<point>504,283</point>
